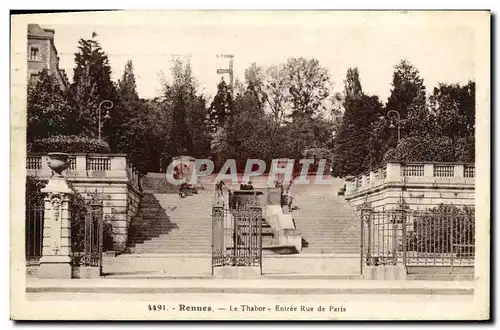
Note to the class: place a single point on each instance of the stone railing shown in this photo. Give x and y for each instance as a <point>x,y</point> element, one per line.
<point>412,173</point>
<point>110,166</point>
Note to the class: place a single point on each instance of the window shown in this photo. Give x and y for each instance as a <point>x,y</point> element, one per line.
<point>34,54</point>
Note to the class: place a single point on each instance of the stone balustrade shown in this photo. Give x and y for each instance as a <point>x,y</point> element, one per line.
<point>112,176</point>
<point>420,184</point>
<point>421,172</point>
<point>82,165</point>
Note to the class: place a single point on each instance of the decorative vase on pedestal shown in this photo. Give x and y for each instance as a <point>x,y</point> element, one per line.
<point>56,253</point>
<point>58,162</point>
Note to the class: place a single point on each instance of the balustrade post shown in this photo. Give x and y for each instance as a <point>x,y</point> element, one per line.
<point>393,171</point>
<point>459,170</point>
<point>428,170</point>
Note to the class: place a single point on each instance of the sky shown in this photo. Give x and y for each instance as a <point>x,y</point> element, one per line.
<point>443,53</point>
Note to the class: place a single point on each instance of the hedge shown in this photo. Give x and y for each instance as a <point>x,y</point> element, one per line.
<point>69,144</point>
<point>440,149</point>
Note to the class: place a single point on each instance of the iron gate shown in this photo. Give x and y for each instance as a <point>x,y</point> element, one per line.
<point>442,236</point>
<point>34,232</point>
<point>87,242</point>
<point>237,237</point>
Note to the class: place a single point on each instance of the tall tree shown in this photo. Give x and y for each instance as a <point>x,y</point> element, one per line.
<point>221,107</point>
<point>277,92</point>
<point>407,89</point>
<point>180,135</point>
<point>454,108</point>
<point>353,152</point>
<point>352,85</point>
<point>91,85</point>
<point>48,111</point>
<point>126,108</point>
<point>179,97</point>
<point>127,87</point>
<point>353,145</point>
<point>309,86</point>
<point>198,128</point>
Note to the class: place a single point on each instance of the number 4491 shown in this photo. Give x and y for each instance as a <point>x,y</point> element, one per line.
<point>157,307</point>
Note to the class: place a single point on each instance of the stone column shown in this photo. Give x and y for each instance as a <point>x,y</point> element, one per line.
<point>56,252</point>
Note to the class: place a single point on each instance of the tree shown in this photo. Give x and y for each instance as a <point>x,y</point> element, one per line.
<point>408,98</point>
<point>180,135</point>
<point>48,111</point>
<point>125,110</point>
<point>189,131</point>
<point>354,152</point>
<point>91,85</point>
<point>454,109</point>
<point>127,88</point>
<point>309,86</point>
<point>221,107</point>
<point>200,132</point>
<point>354,145</point>
<point>407,89</point>
<point>352,85</point>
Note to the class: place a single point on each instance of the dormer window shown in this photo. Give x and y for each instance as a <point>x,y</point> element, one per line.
<point>34,54</point>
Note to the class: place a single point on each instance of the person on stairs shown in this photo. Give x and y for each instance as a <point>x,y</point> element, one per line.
<point>220,192</point>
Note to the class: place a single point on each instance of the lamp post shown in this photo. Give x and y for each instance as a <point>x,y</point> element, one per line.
<point>391,114</point>
<point>109,106</point>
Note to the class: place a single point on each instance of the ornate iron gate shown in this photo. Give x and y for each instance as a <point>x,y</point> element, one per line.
<point>237,237</point>
<point>442,236</point>
<point>87,227</point>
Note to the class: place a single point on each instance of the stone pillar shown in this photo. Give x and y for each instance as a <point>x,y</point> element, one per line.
<point>459,170</point>
<point>428,170</point>
<point>393,171</point>
<point>56,252</point>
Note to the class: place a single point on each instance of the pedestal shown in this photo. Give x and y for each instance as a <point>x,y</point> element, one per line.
<point>55,267</point>
<point>56,252</point>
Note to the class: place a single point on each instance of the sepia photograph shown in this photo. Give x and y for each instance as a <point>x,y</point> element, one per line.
<point>258,165</point>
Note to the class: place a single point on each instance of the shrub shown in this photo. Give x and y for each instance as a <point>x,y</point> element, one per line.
<point>80,210</point>
<point>33,194</point>
<point>69,144</point>
<point>437,229</point>
<point>418,148</point>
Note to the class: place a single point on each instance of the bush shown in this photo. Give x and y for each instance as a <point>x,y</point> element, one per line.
<point>437,229</point>
<point>419,149</point>
<point>33,194</point>
<point>69,144</point>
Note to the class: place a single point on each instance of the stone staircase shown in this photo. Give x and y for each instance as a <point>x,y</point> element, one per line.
<point>327,222</point>
<point>169,224</point>
<point>172,236</point>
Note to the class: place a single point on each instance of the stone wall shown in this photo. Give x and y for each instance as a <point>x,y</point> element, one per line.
<point>420,185</point>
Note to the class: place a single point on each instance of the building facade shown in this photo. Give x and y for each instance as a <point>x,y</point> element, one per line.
<point>42,53</point>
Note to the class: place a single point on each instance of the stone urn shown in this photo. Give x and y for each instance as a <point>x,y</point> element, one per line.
<point>58,162</point>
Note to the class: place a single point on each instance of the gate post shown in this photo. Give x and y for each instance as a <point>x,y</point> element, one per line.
<point>401,210</point>
<point>366,213</point>
<point>56,251</point>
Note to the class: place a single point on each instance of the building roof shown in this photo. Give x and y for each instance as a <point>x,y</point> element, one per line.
<point>35,30</point>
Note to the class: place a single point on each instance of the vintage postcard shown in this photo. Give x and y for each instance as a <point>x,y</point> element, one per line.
<point>258,165</point>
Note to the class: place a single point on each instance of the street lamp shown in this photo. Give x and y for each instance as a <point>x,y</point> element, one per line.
<point>391,115</point>
<point>108,107</point>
